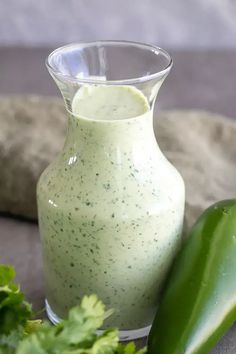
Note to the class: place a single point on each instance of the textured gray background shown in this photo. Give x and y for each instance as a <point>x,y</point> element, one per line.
<point>170,23</point>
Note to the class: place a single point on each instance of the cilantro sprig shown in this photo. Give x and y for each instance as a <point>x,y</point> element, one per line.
<point>15,311</point>
<point>75,335</point>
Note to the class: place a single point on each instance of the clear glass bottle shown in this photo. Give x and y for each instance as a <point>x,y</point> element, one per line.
<point>111,205</point>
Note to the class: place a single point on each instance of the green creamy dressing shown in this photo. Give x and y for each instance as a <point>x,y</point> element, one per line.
<point>110,208</point>
<point>109,102</point>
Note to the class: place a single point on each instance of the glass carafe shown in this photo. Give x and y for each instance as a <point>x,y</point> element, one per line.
<point>111,205</point>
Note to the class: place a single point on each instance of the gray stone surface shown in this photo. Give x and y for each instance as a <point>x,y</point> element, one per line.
<point>169,23</point>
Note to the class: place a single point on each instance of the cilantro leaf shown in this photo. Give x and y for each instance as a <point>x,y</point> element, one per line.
<point>14,311</point>
<point>32,326</point>
<point>106,343</point>
<point>9,343</point>
<point>77,334</point>
<point>129,348</point>
<point>7,274</point>
<point>83,321</point>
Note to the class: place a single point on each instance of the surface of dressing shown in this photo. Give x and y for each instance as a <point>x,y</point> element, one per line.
<point>109,102</point>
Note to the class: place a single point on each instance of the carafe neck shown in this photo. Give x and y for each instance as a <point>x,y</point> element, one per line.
<point>90,136</point>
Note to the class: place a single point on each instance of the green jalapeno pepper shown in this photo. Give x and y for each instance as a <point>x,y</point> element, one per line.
<point>199,299</point>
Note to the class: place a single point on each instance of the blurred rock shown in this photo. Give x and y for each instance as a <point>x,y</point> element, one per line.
<point>32,129</point>
<point>202,147</point>
<point>31,134</point>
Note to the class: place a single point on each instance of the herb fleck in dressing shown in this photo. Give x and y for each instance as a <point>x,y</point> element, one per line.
<point>110,208</point>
